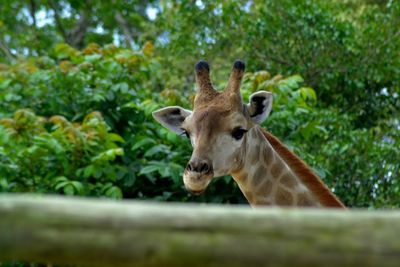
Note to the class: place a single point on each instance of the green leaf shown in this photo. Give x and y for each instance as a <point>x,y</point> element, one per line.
<point>108,155</point>
<point>92,58</point>
<point>63,51</point>
<point>308,93</point>
<point>115,137</point>
<point>114,192</point>
<point>59,179</point>
<point>143,143</point>
<point>69,189</point>
<point>120,87</point>
<point>78,186</point>
<point>61,185</point>
<point>156,150</point>
<point>89,171</point>
<point>5,83</point>
<point>148,169</point>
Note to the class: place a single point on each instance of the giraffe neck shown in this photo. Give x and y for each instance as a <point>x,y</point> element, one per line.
<point>266,179</point>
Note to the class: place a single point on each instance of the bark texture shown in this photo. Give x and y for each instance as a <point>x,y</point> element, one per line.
<point>88,232</point>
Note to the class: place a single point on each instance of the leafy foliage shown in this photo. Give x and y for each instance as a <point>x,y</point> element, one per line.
<point>56,155</point>
<point>343,49</point>
<point>76,111</point>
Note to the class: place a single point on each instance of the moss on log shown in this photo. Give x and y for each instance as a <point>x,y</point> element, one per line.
<point>90,232</point>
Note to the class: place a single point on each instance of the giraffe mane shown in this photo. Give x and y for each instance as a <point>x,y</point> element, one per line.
<point>304,173</point>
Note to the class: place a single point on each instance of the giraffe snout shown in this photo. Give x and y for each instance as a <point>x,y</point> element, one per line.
<point>197,175</point>
<point>199,165</point>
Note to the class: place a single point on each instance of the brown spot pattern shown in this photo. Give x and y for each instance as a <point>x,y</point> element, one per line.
<point>304,200</point>
<point>265,188</point>
<point>306,176</point>
<point>276,169</point>
<point>258,175</point>
<point>283,197</point>
<point>267,155</point>
<point>254,156</point>
<point>288,181</point>
<point>242,177</point>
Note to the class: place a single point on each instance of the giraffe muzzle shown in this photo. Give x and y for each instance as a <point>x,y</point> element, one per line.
<point>197,175</point>
<point>193,192</point>
<point>200,166</point>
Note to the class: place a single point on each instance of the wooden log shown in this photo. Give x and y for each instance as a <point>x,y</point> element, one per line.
<point>89,232</point>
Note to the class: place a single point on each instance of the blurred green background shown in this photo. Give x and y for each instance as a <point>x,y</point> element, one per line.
<point>79,80</point>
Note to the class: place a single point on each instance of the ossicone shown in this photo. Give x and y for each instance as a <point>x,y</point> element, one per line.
<point>203,80</point>
<point>239,65</point>
<point>236,77</point>
<point>202,65</point>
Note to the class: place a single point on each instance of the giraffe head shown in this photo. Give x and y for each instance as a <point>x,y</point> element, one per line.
<point>216,127</point>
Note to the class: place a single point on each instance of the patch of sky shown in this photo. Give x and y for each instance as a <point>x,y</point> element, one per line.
<point>24,15</point>
<point>25,51</point>
<point>218,10</point>
<point>247,6</point>
<point>207,36</point>
<point>200,4</point>
<point>152,12</point>
<point>163,38</point>
<point>67,10</point>
<point>43,18</point>
<point>99,29</point>
<point>384,91</point>
<point>7,38</point>
<point>116,38</point>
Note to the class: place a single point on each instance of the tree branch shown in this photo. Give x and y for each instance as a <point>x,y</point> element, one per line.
<point>273,57</point>
<point>3,47</point>
<point>57,18</point>
<point>129,40</point>
<point>77,35</point>
<point>32,11</point>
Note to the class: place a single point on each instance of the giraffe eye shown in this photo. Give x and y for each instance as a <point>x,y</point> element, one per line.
<point>238,133</point>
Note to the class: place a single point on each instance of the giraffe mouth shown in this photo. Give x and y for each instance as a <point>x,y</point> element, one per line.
<point>195,192</point>
<point>196,183</point>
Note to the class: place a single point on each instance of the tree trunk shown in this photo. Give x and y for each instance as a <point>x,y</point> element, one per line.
<point>75,37</point>
<point>90,232</point>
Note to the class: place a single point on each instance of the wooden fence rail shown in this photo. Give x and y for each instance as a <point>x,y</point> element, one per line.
<point>89,232</point>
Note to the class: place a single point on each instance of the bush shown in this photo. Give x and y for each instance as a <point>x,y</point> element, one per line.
<point>58,156</point>
<point>79,122</point>
<point>119,89</point>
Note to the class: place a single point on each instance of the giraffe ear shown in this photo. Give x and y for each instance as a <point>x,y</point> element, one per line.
<point>260,106</point>
<point>172,117</point>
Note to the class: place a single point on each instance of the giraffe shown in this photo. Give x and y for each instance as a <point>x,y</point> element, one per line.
<point>227,139</point>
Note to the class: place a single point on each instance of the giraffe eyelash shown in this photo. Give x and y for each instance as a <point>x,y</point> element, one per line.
<point>185,133</point>
<point>238,133</point>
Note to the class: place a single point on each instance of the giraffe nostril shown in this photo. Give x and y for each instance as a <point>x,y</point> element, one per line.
<point>189,167</point>
<point>198,166</point>
<point>204,167</point>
